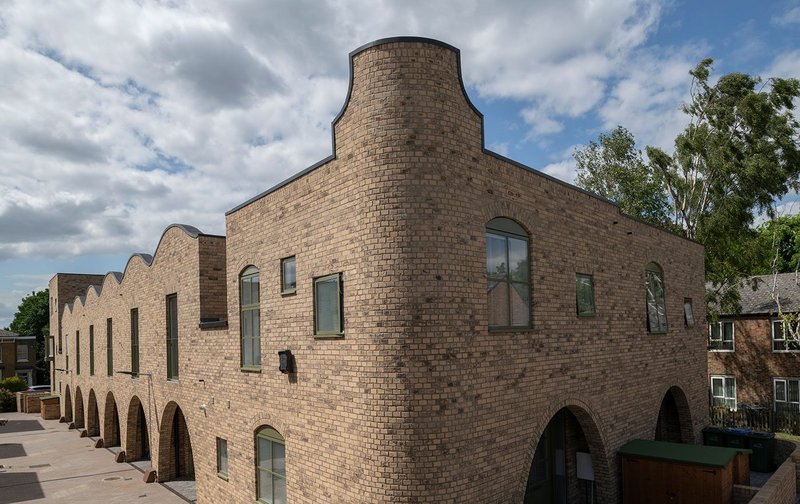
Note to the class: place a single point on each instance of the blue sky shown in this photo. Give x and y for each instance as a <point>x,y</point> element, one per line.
<point>122,117</point>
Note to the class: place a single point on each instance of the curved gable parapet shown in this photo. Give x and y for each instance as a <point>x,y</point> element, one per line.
<point>98,289</point>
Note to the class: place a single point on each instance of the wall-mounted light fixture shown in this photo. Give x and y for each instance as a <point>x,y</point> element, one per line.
<point>286,361</point>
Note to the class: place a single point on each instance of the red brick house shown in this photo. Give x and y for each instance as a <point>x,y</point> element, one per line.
<point>17,356</point>
<point>750,360</point>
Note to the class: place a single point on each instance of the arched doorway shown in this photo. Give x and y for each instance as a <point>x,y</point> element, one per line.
<point>569,462</point>
<point>110,422</point>
<point>79,423</point>
<point>674,423</point>
<point>93,418</point>
<point>67,405</point>
<point>137,440</point>
<point>175,458</point>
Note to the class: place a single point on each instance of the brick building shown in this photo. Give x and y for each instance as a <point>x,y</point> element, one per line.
<point>17,356</point>
<point>461,328</point>
<point>750,360</point>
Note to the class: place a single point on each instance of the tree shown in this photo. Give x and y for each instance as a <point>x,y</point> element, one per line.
<point>780,239</point>
<point>738,154</point>
<point>614,169</point>
<point>33,319</point>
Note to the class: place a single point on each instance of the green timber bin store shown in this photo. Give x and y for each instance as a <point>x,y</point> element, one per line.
<point>658,472</point>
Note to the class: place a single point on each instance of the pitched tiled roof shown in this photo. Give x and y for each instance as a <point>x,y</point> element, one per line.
<point>760,300</point>
<point>7,334</point>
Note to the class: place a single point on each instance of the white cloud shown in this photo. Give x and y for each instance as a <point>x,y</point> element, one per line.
<point>564,170</point>
<point>791,16</point>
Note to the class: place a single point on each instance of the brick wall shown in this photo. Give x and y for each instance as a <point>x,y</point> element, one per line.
<point>418,401</point>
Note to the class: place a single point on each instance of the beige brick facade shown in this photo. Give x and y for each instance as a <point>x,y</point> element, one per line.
<point>418,401</point>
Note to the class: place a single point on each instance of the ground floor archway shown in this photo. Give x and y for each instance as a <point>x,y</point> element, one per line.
<point>110,422</point>
<point>137,439</point>
<point>569,462</point>
<point>78,416</point>
<point>175,458</point>
<point>67,405</point>
<point>93,416</point>
<point>674,423</point>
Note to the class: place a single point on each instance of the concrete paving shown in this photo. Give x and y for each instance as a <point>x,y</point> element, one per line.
<point>43,461</point>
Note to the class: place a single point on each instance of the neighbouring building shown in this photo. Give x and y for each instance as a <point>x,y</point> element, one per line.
<point>412,319</point>
<point>17,356</point>
<point>751,360</point>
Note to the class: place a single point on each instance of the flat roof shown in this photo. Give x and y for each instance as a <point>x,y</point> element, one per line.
<point>714,456</point>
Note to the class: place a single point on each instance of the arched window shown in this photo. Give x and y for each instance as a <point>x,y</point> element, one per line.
<point>270,466</point>
<point>508,274</point>
<point>250,317</point>
<point>656,305</point>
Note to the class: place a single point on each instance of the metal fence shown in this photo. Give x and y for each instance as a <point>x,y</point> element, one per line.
<point>757,419</point>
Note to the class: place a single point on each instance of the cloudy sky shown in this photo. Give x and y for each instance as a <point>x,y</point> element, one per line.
<point>119,118</point>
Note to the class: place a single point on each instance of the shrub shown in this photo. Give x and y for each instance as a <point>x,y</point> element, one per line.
<point>14,384</point>
<point>8,400</point>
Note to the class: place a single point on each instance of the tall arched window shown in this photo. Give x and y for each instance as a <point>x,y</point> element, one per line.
<point>250,317</point>
<point>656,305</point>
<point>270,466</point>
<point>508,274</point>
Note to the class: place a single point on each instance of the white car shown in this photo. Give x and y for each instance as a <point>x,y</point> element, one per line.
<point>38,388</point>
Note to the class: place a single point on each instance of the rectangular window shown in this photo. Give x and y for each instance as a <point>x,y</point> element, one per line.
<point>288,275</point>
<point>328,313</point>
<point>508,282</point>
<point>172,337</point>
<point>91,350</point>
<point>60,343</point>
<point>787,394</point>
<point>584,295</point>
<point>780,342</point>
<point>723,391</point>
<point>1,353</point>
<point>656,304</point>
<point>721,337</point>
<point>77,352</point>
<point>222,457</point>
<point>109,348</point>
<point>135,341</point>
<point>688,312</point>
<point>250,318</point>
<point>22,353</point>
<point>51,347</point>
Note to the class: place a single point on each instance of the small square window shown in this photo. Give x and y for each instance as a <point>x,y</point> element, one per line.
<point>328,314</point>
<point>584,295</point>
<point>288,276</point>
<point>688,313</point>
<point>222,457</point>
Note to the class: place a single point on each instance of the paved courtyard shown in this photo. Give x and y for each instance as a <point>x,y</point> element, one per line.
<point>43,461</point>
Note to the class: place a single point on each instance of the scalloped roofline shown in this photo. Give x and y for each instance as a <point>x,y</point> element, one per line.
<point>147,259</point>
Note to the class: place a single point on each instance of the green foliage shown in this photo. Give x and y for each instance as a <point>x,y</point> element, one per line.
<point>614,169</point>
<point>738,154</point>
<point>33,319</point>
<point>14,384</point>
<point>780,240</point>
<point>8,401</point>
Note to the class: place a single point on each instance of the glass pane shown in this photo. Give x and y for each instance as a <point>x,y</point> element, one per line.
<point>780,390</point>
<point>246,297</point>
<point>289,274</point>
<point>496,256</point>
<point>327,298</point>
<point>247,323</point>
<point>584,294</point>
<point>727,331</point>
<point>222,447</point>
<point>265,486</point>
<point>794,391</point>
<point>279,489</point>
<point>518,258</point>
<point>255,288</point>
<point>279,459</point>
<point>264,454</point>
<point>730,388</point>
<point>256,337</point>
<point>497,294</point>
<point>247,352</point>
<point>777,330</point>
<point>715,332</point>
<point>520,304</point>
<point>688,313</point>
<point>717,387</point>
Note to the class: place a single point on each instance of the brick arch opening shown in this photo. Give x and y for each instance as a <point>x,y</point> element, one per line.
<point>93,416</point>
<point>78,416</point>
<point>674,422</point>
<point>569,445</point>
<point>175,459</point>
<point>137,440</point>
<point>111,422</point>
<point>67,405</point>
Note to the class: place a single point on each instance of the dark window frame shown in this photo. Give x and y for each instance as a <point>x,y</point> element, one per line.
<point>508,229</point>
<point>135,342</point>
<point>340,306</point>
<point>250,312</point>
<point>222,446</point>
<point>593,309</point>
<point>654,285</point>
<point>284,262</point>
<point>109,347</point>
<point>273,437</point>
<point>173,367</point>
